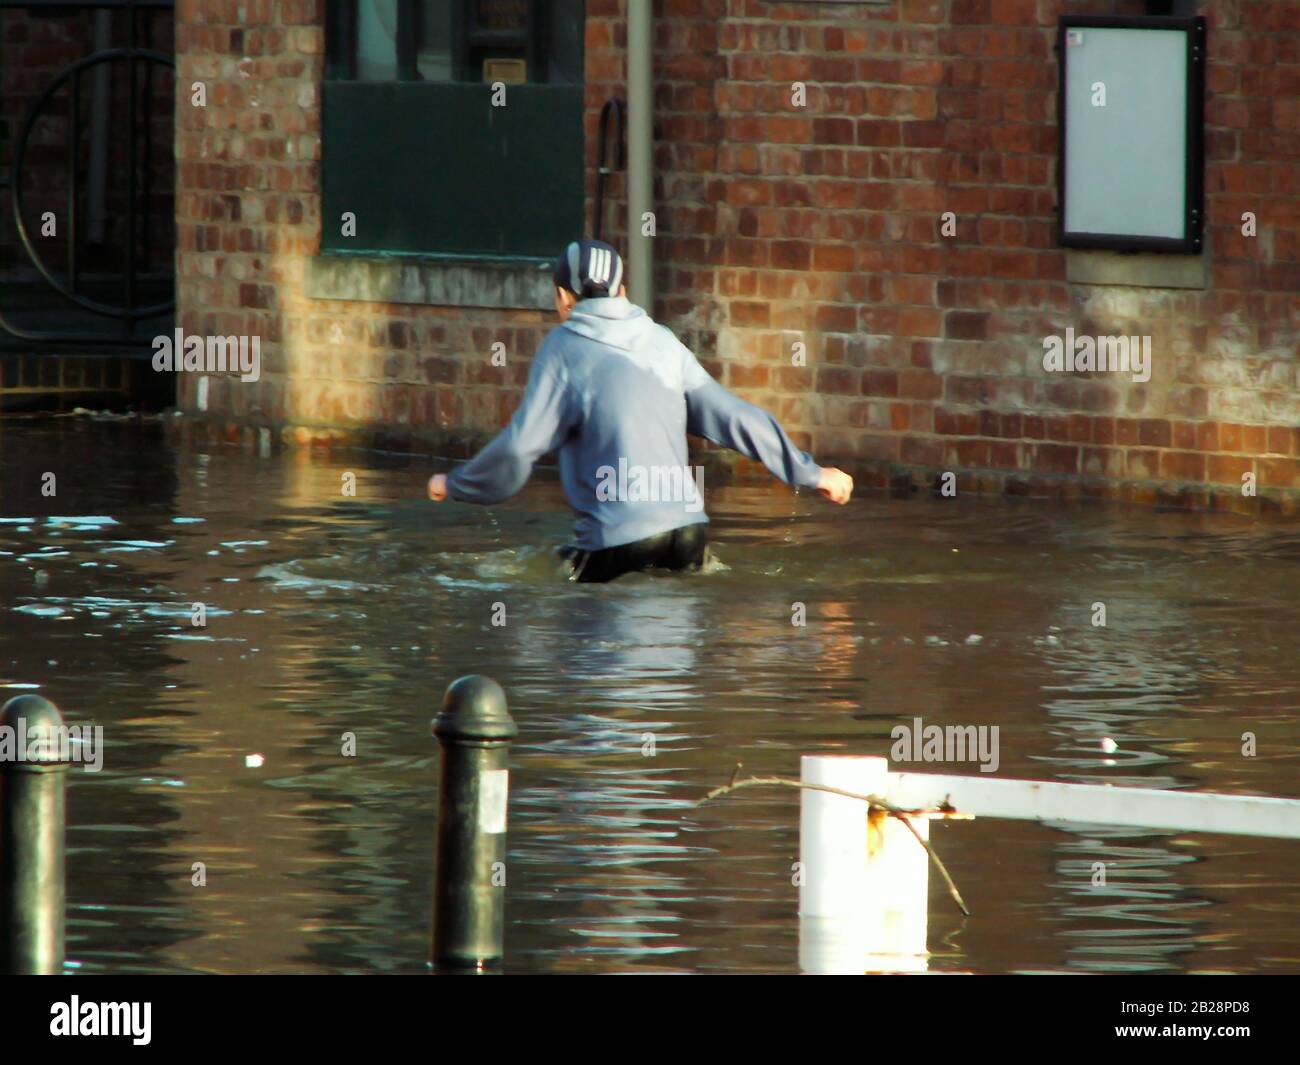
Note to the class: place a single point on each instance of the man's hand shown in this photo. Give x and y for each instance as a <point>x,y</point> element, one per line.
<point>835,485</point>
<point>438,487</point>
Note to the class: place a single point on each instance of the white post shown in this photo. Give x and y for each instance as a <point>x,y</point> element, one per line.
<point>864,893</point>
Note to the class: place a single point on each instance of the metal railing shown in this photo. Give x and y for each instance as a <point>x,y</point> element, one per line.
<point>130,310</point>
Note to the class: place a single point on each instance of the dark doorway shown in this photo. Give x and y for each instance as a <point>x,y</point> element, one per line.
<point>87,201</point>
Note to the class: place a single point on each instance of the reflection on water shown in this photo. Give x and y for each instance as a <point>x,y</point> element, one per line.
<point>330,615</point>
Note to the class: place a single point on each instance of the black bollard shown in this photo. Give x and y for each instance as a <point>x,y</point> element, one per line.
<point>32,794</point>
<point>474,731</point>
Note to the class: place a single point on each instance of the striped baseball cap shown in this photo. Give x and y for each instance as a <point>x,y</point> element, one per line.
<point>589,268</point>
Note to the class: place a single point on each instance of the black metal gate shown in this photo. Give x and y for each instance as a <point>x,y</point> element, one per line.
<point>86,177</point>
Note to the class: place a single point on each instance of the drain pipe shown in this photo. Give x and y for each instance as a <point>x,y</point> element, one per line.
<point>640,152</point>
<point>100,87</point>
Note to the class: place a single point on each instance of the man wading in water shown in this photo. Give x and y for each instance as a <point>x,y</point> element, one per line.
<point>614,392</point>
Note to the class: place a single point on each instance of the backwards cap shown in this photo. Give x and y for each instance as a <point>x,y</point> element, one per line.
<point>589,268</point>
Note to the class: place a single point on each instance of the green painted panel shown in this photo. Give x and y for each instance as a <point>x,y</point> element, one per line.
<point>435,169</point>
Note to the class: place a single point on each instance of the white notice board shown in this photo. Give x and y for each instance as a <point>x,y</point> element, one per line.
<point>1131,116</point>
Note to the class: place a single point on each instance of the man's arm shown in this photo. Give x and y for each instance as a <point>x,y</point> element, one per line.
<point>717,415</point>
<point>540,425</point>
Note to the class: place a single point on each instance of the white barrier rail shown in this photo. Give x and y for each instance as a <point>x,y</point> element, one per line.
<point>1099,804</point>
<point>864,887</point>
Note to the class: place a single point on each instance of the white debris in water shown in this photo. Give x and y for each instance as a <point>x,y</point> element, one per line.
<point>187,521</point>
<point>40,610</point>
<point>452,582</point>
<point>1108,745</point>
<point>285,576</point>
<point>253,761</point>
<point>90,521</point>
<point>935,641</point>
<point>973,639</point>
<point>173,610</point>
<point>136,545</point>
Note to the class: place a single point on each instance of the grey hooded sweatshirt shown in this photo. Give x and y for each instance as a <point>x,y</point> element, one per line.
<point>616,394</point>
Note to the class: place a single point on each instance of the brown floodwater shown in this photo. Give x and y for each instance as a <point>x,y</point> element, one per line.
<point>330,614</point>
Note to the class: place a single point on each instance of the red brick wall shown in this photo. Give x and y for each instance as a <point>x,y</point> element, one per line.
<point>821,225</point>
<point>249,214</point>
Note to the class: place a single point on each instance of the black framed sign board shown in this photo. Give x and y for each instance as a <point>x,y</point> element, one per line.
<point>1132,157</point>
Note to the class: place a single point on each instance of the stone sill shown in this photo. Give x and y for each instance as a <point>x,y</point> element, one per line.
<point>1136,270</point>
<point>515,284</point>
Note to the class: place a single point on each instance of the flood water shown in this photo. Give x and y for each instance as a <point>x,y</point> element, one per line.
<point>330,614</point>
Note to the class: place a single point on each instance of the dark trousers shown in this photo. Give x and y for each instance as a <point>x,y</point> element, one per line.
<point>680,549</point>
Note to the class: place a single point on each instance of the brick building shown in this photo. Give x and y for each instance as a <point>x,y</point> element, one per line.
<point>775,225</point>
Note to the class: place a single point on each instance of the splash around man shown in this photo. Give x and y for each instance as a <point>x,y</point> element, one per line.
<point>615,394</point>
